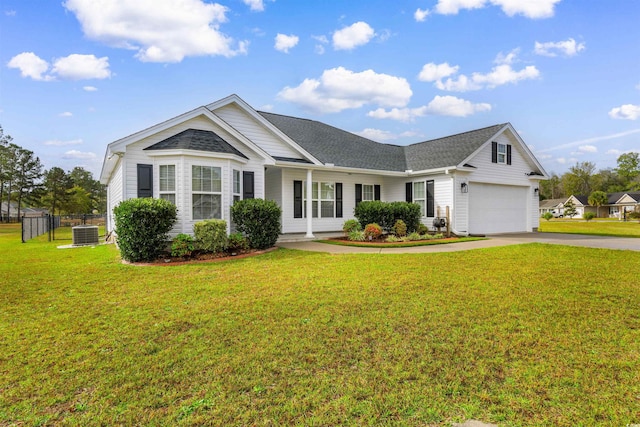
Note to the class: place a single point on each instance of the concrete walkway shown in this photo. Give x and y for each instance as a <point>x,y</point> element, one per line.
<point>620,243</point>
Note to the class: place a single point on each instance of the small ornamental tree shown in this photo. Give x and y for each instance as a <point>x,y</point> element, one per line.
<point>569,209</point>
<point>547,216</point>
<point>588,216</point>
<point>258,220</point>
<point>142,227</point>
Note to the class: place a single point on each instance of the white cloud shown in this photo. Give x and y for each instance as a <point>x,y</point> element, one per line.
<point>159,30</point>
<point>420,15</point>
<point>565,48</point>
<point>82,155</point>
<point>452,106</point>
<point>89,88</point>
<point>319,48</point>
<point>626,111</point>
<point>439,106</point>
<point>533,9</point>
<point>588,149</point>
<point>377,134</point>
<point>509,58</point>
<point>255,5</point>
<point>353,36</point>
<point>432,72</point>
<point>58,143</point>
<point>30,65</point>
<point>10,13</point>
<point>614,152</point>
<point>72,67</point>
<point>66,114</point>
<point>285,42</point>
<point>80,67</point>
<point>339,89</point>
<point>499,75</point>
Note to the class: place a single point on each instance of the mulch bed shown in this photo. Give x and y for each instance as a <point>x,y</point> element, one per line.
<point>200,258</point>
<point>381,243</point>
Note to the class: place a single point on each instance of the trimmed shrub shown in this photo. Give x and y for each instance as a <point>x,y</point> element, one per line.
<point>422,229</point>
<point>143,226</point>
<point>588,216</point>
<point>182,245</point>
<point>356,236</point>
<point>400,228</point>
<point>547,216</point>
<point>258,220</point>
<point>414,236</point>
<point>211,235</point>
<point>351,225</point>
<point>387,213</point>
<point>372,231</point>
<point>237,243</point>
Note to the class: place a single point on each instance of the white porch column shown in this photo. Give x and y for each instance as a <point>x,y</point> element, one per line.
<point>309,206</point>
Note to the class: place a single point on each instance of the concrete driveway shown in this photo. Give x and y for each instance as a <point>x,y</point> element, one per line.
<point>603,242</point>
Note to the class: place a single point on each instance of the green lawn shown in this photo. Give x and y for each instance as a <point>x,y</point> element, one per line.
<point>597,227</point>
<point>521,335</point>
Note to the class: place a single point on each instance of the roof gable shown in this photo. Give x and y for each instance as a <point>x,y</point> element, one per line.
<point>195,139</point>
<point>339,147</point>
<point>448,151</point>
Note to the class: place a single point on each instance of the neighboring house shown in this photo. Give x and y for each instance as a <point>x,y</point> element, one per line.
<point>24,212</point>
<point>555,206</point>
<point>617,204</point>
<point>207,158</point>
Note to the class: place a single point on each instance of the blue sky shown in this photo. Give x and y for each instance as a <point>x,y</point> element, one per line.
<point>76,75</point>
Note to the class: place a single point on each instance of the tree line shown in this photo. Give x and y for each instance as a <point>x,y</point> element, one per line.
<point>583,179</point>
<point>25,183</point>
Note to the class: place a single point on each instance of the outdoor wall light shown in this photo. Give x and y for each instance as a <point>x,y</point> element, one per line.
<point>464,187</point>
<point>536,191</point>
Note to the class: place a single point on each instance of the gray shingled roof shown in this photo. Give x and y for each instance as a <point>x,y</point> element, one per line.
<point>195,139</point>
<point>447,151</point>
<point>332,145</point>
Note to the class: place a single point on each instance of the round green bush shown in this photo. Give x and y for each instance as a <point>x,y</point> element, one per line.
<point>182,245</point>
<point>258,220</point>
<point>142,227</point>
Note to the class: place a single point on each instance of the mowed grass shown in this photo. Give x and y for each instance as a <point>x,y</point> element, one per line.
<point>595,227</point>
<point>521,335</point>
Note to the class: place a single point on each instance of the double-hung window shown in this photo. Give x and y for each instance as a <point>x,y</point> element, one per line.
<point>368,192</point>
<point>420,196</point>
<point>206,188</point>
<point>168,183</point>
<point>502,153</point>
<point>322,199</point>
<point>424,195</point>
<point>236,185</point>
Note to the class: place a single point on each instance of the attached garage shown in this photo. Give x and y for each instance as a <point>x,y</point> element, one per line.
<point>497,208</point>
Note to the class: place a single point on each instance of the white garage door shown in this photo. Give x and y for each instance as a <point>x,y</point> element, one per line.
<point>497,208</point>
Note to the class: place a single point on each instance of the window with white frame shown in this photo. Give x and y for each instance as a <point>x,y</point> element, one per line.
<point>502,153</point>
<point>368,192</point>
<point>167,177</point>
<point>206,189</point>
<point>236,186</point>
<point>420,196</point>
<point>322,199</point>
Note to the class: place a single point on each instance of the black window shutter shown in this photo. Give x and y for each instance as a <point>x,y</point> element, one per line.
<point>509,154</point>
<point>430,199</point>
<point>494,152</point>
<point>145,180</point>
<point>247,185</point>
<point>338,200</point>
<point>297,199</point>
<point>358,193</point>
<point>376,192</point>
<point>409,192</point>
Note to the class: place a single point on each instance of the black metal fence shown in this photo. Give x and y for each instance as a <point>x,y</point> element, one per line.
<point>37,226</point>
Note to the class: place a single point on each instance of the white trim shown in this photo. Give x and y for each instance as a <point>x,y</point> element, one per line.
<point>196,153</point>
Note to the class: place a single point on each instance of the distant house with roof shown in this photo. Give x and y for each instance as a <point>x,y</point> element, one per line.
<point>617,204</point>
<point>207,158</point>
